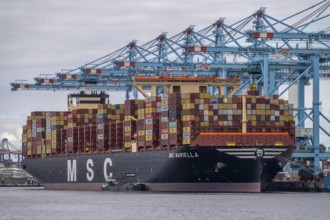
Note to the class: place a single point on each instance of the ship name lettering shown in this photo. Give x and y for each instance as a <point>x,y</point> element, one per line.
<point>183,155</point>
<point>107,176</point>
<point>72,170</point>
<point>90,172</point>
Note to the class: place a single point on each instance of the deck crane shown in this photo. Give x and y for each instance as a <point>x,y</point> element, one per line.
<point>258,49</point>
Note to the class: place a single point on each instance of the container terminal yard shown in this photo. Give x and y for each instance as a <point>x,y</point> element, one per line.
<point>213,103</point>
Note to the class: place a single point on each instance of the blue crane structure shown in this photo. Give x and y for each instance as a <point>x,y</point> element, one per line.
<point>274,54</point>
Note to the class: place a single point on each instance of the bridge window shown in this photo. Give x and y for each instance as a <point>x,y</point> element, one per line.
<point>203,89</point>
<point>176,89</point>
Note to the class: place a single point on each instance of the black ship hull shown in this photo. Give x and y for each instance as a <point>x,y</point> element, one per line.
<point>188,169</point>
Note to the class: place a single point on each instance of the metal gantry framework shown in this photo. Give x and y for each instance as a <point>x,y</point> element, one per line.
<point>259,49</point>
<point>8,151</point>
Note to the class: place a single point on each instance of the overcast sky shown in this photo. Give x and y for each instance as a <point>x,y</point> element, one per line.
<point>44,37</point>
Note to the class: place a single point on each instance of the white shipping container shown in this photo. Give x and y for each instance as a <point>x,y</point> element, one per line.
<point>186,135</point>
<point>164,97</point>
<point>100,136</point>
<point>149,121</point>
<point>70,139</point>
<point>230,117</point>
<point>277,113</point>
<point>100,126</point>
<point>148,132</point>
<point>164,108</point>
<point>164,119</point>
<point>151,99</point>
<point>164,136</point>
<point>230,112</point>
<point>40,129</point>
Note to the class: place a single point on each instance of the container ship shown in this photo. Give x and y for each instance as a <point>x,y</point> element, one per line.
<point>174,142</point>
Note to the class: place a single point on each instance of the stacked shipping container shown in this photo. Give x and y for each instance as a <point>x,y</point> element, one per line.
<point>157,123</point>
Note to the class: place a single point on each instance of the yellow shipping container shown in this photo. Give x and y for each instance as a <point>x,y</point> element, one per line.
<point>268,112</point>
<point>38,149</point>
<point>188,106</point>
<point>48,150</point>
<point>186,141</point>
<point>206,124</point>
<point>150,110</point>
<point>186,129</point>
<point>221,106</point>
<point>127,128</point>
<point>141,133</point>
<point>141,111</point>
<point>221,123</point>
<point>164,102</point>
<point>254,123</point>
<point>102,111</point>
<point>127,144</point>
<point>29,153</point>
<point>173,130</point>
<point>188,117</point>
<point>141,116</point>
<point>149,138</point>
<point>204,95</point>
<point>260,112</point>
<point>185,101</point>
<point>197,101</point>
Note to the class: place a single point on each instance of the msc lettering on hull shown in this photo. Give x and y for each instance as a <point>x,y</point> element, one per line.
<point>72,170</point>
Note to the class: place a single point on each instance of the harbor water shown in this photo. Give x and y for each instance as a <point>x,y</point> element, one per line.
<point>39,204</point>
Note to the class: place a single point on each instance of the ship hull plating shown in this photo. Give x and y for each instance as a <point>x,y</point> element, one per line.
<point>188,169</point>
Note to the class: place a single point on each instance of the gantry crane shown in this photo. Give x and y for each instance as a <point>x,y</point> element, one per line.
<point>8,150</point>
<point>258,49</point>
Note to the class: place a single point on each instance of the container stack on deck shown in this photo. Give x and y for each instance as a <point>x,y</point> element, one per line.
<point>56,127</point>
<point>157,123</point>
<point>109,127</point>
